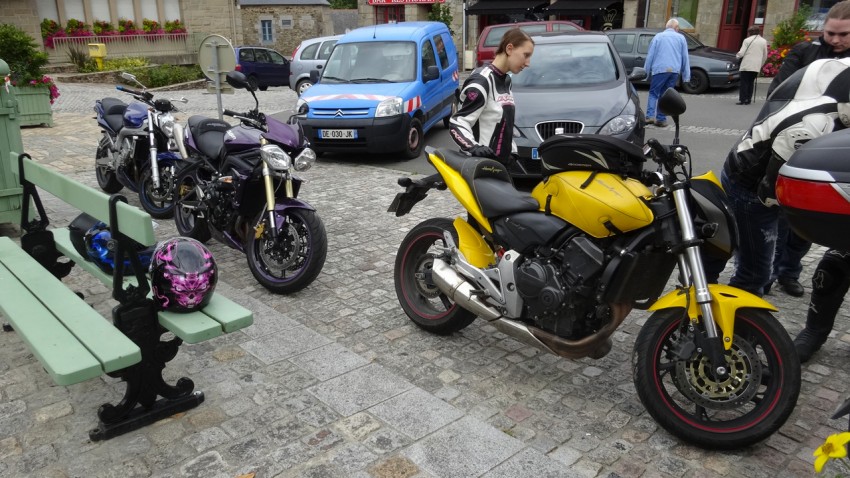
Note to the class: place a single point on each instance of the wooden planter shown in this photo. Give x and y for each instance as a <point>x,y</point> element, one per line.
<point>34,105</point>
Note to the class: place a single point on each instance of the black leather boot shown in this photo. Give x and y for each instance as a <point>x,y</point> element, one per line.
<point>808,342</point>
<point>822,311</point>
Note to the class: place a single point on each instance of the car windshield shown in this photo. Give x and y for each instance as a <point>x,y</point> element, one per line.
<point>371,62</point>
<point>693,43</point>
<point>568,64</point>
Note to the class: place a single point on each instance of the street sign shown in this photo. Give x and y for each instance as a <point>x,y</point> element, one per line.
<point>216,58</point>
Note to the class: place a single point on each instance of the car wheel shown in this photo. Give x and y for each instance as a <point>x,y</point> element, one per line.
<point>252,82</point>
<point>415,139</point>
<point>264,88</point>
<point>698,83</point>
<point>302,86</point>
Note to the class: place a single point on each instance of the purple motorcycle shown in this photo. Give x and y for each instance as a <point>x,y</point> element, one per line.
<point>239,189</point>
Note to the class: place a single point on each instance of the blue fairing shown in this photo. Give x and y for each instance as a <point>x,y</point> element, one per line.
<point>135,115</point>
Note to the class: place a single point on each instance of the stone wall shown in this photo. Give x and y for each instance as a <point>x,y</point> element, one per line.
<point>213,16</point>
<point>306,22</point>
<point>24,15</point>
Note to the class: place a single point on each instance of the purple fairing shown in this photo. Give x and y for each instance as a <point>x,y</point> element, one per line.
<point>282,133</point>
<point>183,275</point>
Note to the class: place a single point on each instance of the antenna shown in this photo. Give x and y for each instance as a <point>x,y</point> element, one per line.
<point>375,31</point>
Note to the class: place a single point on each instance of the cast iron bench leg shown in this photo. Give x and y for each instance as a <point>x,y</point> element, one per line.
<point>139,406</point>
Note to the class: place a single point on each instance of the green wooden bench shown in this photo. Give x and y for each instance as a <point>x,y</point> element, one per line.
<point>69,338</point>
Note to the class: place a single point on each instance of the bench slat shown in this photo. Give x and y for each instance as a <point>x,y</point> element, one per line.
<point>220,316</point>
<point>132,221</point>
<point>107,344</point>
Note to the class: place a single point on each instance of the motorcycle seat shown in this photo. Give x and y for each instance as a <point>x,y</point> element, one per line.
<point>113,112</point>
<point>491,184</point>
<point>208,134</point>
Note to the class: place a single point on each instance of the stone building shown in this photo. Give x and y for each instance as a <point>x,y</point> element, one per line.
<point>282,24</point>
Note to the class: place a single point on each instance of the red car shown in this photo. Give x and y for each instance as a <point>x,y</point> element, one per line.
<point>490,37</point>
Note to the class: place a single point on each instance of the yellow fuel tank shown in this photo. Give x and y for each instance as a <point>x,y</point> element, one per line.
<point>599,205</point>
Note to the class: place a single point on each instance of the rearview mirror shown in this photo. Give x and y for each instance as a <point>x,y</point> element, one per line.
<point>637,74</point>
<point>431,73</point>
<point>671,103</point>
<point>128,76</point>
<point>238,80</point>
<point>314,76</point>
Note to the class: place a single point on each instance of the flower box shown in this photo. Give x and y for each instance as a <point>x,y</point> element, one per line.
<point>34,105</point>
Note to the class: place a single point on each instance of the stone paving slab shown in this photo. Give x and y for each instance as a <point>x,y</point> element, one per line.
<point>320,385</point>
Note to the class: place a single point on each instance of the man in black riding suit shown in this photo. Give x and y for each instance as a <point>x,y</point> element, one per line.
<point>484,123</point>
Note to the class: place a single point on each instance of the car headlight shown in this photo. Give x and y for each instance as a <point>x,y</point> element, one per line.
<point>731,66</point>
<point>301,107</point>
<point>305,160</point>
<point>275,157</point>
<point>619,124</point>
<point>389,107</point>
<point>166,124</point>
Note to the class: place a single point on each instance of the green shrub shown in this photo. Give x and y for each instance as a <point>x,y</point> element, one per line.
<point>21,52</point>
<point>78,57</point>
<point>792,30</point>
<point>164,75</point>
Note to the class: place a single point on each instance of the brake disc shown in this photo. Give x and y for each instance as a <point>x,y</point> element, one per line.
<point>696,380</point>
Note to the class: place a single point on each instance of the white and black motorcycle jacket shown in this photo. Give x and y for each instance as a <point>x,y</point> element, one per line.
<point>486,113</point>
<point>812,102</point>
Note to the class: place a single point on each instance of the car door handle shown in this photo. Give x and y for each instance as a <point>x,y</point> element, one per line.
<point>318,67</point>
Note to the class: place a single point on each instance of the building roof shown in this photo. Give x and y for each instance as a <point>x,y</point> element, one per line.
<point>252,3</point>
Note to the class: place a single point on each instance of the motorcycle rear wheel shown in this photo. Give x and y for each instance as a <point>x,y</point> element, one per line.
<point>106,178</point>
<point>159,203</point>
<point>297,258</point>
<point>419,297</point>
<point>684,397</point>
<point>186,215</point>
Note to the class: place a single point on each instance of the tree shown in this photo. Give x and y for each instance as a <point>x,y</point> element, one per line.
<point>343,4</point>
<point>440,12</point>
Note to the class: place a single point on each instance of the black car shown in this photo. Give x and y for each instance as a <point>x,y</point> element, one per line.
<point>575,83</point>
<point>710,67</point>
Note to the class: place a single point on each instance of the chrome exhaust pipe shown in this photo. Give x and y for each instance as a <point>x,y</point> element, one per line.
<point>460,290</point>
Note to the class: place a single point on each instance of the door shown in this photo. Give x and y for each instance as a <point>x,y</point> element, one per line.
<point>431,91</point>
<point>279,69</point>
<point>644,39</point>
<point>733,25</point>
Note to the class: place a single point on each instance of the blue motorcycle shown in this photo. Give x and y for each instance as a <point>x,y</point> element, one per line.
<point>122,160</point>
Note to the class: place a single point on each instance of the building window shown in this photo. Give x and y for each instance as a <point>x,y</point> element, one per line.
<point>686,12</point>
<point>391,14</point>
<point>818,15</point>
<point>286,22</point>
<point>266,31</point>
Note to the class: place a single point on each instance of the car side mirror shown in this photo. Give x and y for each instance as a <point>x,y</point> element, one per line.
<point>637,74</point>
<point>431,73</point>
<point>314,76</point>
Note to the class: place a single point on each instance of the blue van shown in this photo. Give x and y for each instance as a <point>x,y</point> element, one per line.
<point>382,88</point>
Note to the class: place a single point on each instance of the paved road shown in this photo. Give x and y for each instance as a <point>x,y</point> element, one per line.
<point>335,381</point>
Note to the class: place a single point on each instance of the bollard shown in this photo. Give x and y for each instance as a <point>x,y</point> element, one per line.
<point>11,192</point>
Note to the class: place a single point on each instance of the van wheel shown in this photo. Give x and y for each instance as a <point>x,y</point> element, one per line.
<point>415,141</point>
<point>302,86</point>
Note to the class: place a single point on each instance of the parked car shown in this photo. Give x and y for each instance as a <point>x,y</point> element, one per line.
<point>309,55</point>
<point>262,66</point>
<point>382,88</point>
<point>710,67</point>
<point>491,35</point>
<point>592,92</point>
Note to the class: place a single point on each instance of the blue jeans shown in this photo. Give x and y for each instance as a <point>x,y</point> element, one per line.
<point>658,84</point>
<point>790,250</point>
<point>757,234</point>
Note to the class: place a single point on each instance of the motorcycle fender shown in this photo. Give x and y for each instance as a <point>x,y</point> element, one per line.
<point>726,300</point>
<point>472,245</point>
<point>282,204</point>
<point>460,189</point>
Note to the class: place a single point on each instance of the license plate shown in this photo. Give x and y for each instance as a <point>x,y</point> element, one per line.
<point>338,133</point>
<point>534,154</point>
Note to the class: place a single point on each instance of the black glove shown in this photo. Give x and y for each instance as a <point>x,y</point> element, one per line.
<point>481,151</point>
<point>767,186</point>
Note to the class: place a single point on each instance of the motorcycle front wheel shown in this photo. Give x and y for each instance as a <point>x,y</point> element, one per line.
<point>188,217</point>
<point>295,259</point>
<point>158,202</point>
<point>685,397</point>
<point>106,178</point>
<point>419,297</point>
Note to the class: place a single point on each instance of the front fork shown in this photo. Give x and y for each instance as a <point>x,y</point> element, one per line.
<point>153,151</point>
<point>691,269</point>
<point>270,201</point>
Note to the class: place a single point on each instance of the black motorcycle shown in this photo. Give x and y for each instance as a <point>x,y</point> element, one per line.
<point>138,149</point>
<point>239,188</point>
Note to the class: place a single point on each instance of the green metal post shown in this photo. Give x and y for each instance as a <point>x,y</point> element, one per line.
<point>11,192</point>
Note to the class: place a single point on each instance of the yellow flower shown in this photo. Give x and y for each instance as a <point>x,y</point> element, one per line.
<point>833,447</point>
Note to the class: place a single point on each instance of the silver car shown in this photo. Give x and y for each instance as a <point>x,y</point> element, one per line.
<point>309,55</point>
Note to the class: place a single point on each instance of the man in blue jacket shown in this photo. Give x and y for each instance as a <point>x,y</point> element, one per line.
<point>666,60</point>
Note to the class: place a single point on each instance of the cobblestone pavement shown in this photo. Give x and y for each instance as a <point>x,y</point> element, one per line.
<point>335,381</point>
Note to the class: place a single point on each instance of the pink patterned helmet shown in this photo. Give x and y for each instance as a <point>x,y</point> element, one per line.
<point>183,275</point>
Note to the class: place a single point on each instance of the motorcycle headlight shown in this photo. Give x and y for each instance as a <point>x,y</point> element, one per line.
<point>305,160</point>
<point>275,157</point>
<point>619,124</point>
<point>301,107</point>
<point>389,107</point>
<point>166,124</point>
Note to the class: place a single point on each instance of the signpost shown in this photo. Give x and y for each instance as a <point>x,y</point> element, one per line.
<point>216,58</point>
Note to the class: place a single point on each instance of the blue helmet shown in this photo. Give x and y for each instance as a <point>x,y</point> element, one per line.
<point>100,248</point>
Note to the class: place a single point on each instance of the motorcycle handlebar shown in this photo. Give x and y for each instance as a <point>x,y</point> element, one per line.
<point>230,113</point>
<point>144,95</point>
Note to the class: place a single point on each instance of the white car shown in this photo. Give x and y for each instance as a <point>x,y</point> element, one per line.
<point>309,55</point>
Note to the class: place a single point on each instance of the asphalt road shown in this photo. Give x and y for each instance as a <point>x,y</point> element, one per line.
<point>710,127</point>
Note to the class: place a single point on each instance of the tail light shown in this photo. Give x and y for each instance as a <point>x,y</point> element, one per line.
<point>295,51</point>
<point>238,67</point>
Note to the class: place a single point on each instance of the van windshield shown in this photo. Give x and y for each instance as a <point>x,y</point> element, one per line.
<point>371,62</point>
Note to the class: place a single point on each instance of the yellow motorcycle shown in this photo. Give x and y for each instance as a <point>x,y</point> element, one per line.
<point>561,267</point>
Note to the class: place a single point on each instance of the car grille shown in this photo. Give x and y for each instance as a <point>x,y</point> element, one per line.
<point>341,112</point>
<point>551,128</point>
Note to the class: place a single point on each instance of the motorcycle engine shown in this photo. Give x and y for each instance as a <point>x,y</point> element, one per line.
<point>125,151</point>
<point>222,211</point>
<point>559,289</point>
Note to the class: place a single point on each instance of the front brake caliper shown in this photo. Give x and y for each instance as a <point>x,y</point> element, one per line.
<point>258,231</point>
